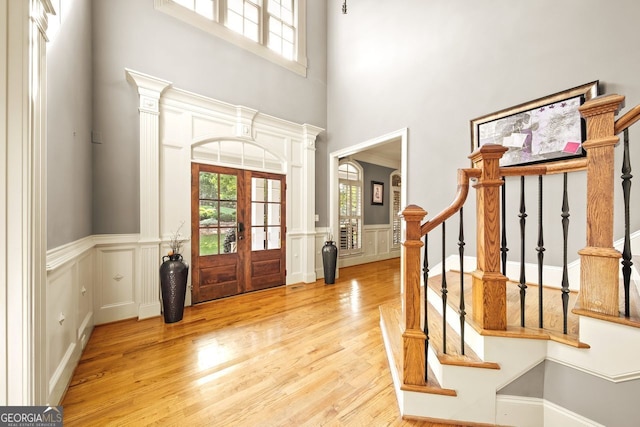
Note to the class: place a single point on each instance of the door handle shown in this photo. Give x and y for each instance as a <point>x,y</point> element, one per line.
<point>240,230</point>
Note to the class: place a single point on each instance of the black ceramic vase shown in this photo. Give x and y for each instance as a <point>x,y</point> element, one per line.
<point>173,282</point>
<point>329,259</point>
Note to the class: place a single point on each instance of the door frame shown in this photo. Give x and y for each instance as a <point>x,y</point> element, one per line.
<point>172,122</point>
<point>402,137</point>
<point>246,269</point>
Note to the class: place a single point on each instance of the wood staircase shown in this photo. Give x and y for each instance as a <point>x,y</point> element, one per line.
<point>530,340</point>
<point>464,389</point>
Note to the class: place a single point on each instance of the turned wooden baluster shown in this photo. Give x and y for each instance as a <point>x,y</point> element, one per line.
<point>599,260</point>
<point>489,284</point>
<point>413,337</point>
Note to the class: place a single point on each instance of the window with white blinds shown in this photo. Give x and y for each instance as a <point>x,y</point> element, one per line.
<point>273,29</point>
<point>396,220</point>
<point>350,215</point>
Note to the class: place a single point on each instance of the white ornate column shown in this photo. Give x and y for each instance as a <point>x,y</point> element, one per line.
<point>23,202</point>
<point>309,135</point>
<point>148,284</point>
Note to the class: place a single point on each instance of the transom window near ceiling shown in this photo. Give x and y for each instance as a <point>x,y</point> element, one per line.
<point>273,29</point>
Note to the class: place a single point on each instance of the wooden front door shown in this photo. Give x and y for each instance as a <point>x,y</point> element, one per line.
<point>238,231</point>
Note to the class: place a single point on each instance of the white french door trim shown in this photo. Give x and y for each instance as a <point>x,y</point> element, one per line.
<point>173,123</point>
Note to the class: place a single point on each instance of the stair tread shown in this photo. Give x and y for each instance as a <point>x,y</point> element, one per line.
<point>391,321</point>
<point>453,355</point>
<point>552,302</point>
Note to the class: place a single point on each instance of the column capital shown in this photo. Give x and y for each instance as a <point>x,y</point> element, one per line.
<point>149,88</point>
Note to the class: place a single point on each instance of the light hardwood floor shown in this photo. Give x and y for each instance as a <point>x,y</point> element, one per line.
<point>301,355</point>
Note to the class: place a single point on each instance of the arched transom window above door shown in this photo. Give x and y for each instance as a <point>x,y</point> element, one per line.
<point>237,152</point>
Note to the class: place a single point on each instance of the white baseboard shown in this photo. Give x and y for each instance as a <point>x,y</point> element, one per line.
<point>534,412</point>
<point>364,259</point>
<point>61,377</point>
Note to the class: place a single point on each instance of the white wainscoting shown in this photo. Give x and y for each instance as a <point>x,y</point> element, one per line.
<point>69,311</point>
<point>89,282</point>
<point>115,296</point>
<point>96,280</point>
<point>376,247</point>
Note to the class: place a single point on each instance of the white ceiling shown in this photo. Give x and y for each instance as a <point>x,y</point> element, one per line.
<point>386,154</point>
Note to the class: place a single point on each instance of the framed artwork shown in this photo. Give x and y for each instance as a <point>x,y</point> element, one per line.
<point>543,130</point>
<point>377,193</point>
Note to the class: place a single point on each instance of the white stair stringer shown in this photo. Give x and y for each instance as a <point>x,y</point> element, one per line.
<point>475,387</point>
<point>613,354</point>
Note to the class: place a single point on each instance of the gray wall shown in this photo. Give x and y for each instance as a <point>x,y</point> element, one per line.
<point>608,403</point>
<point>69,110</point>
<point>376,214</point>
<point>132,34</point>
<point>433,66</point>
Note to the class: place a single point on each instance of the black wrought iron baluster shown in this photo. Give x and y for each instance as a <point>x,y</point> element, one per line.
<point>523,283</point>
<point>444,294</point>
<point>503,244</point>
<point>463,313</point>
<point>425,272</point>
<point>565,272</point>
<point>540,249</point>
<point>626,252</point>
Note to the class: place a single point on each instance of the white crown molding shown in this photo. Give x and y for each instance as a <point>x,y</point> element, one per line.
<point>200,104</point>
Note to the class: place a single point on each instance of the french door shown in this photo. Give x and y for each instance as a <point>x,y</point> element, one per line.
<point>237,230</point>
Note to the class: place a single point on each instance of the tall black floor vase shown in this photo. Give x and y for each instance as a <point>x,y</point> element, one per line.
<point>173,282</point>
<point>329,260</point>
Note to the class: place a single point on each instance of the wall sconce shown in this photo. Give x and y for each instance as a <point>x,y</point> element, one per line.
<point>344,7</point>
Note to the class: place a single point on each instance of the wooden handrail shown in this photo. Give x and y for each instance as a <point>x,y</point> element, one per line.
<point>573,165</point>
<point>464,175</point>
<point>599,268</point>
<point>461,196</point>
<point>629,118</point>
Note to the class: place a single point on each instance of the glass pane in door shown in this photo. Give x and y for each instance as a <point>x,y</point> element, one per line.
<point>266,209</point>
<point>209,241</point>
<point>218,213</point>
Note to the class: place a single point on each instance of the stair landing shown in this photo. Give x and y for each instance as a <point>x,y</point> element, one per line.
<point>552,320</point>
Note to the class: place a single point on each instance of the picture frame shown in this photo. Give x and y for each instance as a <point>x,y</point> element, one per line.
<point>543,130</point>
<point>377,193</point>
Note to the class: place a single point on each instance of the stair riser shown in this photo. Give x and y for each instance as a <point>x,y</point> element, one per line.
<point>471,338</point>
<point>613,354</point>
<point>476,387</point>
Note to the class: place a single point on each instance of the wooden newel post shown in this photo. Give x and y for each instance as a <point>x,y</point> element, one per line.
<point>413,337</point>
<point>489,297</point>
<point>599,261</point>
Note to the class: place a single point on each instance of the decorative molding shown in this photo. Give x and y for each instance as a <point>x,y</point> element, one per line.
<point>115,239</point>
<point>59,256</point>
<point>23,195</point>
<point>191,121</point>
